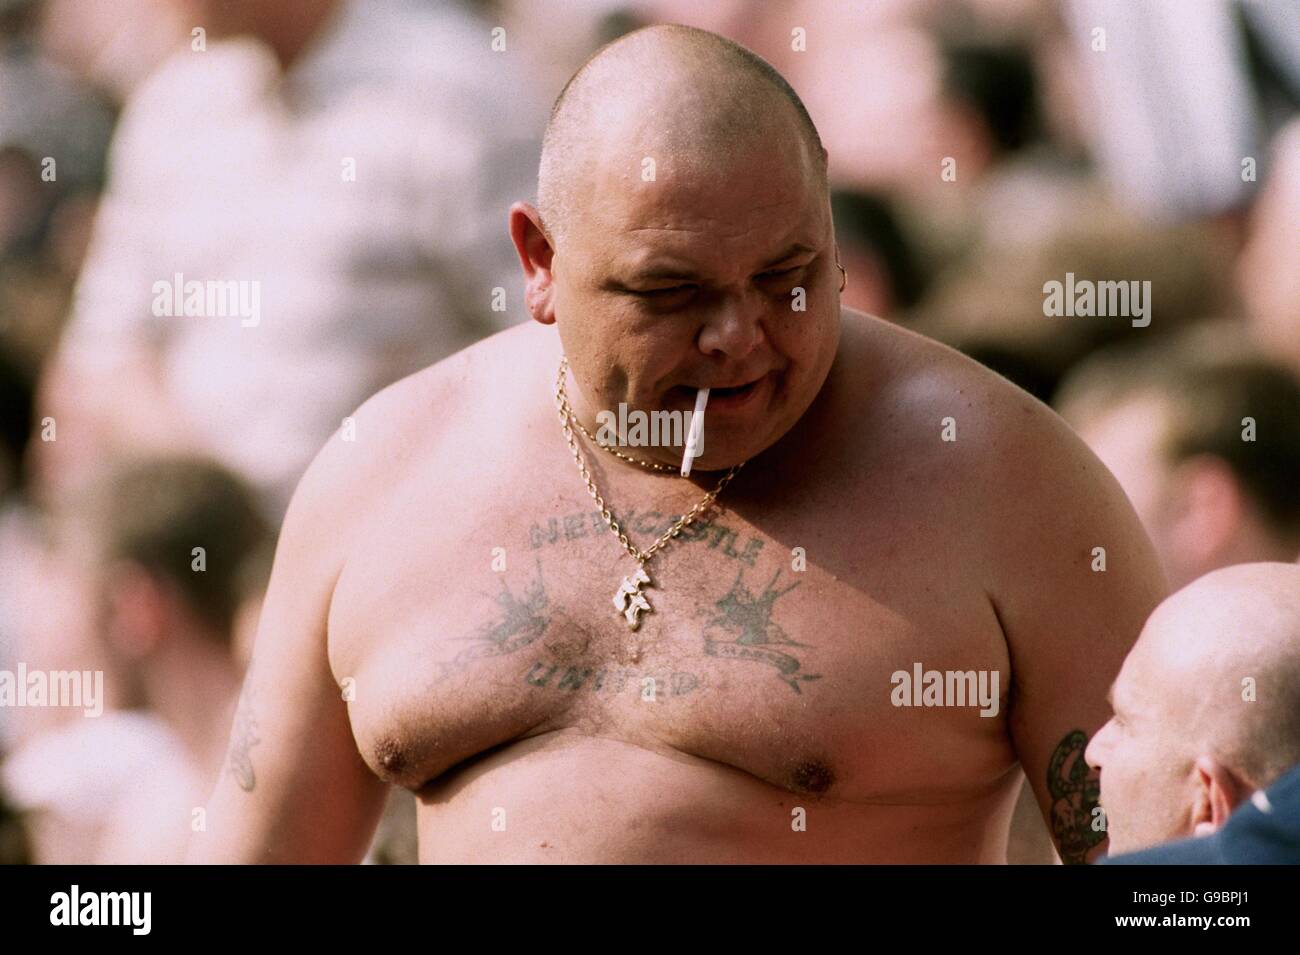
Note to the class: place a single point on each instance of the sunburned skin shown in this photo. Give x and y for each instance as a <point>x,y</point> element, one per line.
<point>752,690</point>
<point>750,716</point>
<point>899,508</point>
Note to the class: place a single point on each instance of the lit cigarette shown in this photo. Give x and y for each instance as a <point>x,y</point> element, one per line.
<point>697,428</point>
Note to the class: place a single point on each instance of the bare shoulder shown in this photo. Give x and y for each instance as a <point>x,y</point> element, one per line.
<point>386,438</point>
<point>425,404</point>
<point>940,402</point>
<point>994,461</point>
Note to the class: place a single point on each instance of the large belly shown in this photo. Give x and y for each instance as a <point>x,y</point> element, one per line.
<point>757,685</point>
<point>572,797</point>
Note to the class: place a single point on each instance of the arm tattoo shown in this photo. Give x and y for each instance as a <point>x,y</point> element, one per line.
<point>1075,790</point>
<point>242,740</point>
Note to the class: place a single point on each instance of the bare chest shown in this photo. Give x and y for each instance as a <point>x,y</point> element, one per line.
<point>774,648</point>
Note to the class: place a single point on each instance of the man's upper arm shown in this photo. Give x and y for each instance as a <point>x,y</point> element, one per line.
<point>1077,578</point>
<point>294,788</point>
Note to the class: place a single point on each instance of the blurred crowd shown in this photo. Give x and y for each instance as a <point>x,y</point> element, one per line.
<point>225,223</point>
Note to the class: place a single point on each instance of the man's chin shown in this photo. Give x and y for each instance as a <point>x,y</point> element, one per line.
<point>1122,842</point>
<point>719,456</point>
<point>1117,845</point>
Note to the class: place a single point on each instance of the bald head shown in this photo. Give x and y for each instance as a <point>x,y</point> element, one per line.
<point>1207,706</point>
<point>682,97</point>
<point>685,241</point>
<point>1223,656</point>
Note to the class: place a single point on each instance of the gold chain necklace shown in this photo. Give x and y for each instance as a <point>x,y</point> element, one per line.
<point>628,599</point>
<point>651,465</point>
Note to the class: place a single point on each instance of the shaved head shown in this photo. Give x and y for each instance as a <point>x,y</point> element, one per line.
<point>680,96</point>
<point>683,239</point>
<point>1207,706</point>
<point>1238,624</point>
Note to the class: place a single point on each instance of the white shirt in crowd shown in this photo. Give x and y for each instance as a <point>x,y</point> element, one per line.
<point>365,193</point>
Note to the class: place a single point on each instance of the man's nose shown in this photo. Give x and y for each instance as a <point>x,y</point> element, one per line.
<point>735,329</point>
<point>1095,752</point>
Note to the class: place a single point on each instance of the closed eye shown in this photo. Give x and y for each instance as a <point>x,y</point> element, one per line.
<point>658,292</point>
<point>682,289</point>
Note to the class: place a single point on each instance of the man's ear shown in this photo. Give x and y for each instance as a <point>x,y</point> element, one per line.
<point>1218,792</point>
<point>535,255</point>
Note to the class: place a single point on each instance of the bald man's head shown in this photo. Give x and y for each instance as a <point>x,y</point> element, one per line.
<point>1207,706</point>
<point>685,241</point>
<point>687,97</point>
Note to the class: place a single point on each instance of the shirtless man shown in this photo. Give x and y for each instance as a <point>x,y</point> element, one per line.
<point>441,611</point>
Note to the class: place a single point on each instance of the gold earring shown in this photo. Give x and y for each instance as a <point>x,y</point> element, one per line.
<point>844,276</point>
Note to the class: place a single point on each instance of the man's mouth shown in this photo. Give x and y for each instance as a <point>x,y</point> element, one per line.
<point>726,398</point>
<point>735,391</point>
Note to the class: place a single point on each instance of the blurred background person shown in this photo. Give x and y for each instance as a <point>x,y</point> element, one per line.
<point>349,166</point>
<point>1207,710</point>
<point>1268,270</point>
<point>990,304</point>
<point>1203,434</point>
<point>54,132</point>
<point>1183,93</point>
<point>875,247</point>
<point>171,549</point>
<point>13,837</point>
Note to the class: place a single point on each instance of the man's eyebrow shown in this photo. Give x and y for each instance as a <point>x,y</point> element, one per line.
<point>664,272</point>
<point>1110,695</point>
<point>794,249</point>
<point>659,272</point>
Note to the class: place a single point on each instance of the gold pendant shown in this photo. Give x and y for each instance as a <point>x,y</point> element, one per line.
<point>629,601</point>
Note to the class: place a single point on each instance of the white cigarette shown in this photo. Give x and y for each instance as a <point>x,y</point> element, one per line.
<point>697,428</point>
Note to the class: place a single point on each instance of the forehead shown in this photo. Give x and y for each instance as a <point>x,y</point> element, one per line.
<point>1136,423</point>
<point>708,239</point>
<point>1170,655</point>
<point>748,204</point>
